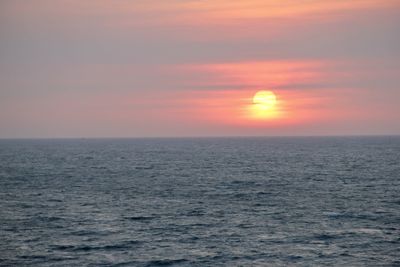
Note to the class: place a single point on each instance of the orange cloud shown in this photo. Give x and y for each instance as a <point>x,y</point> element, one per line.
<point>258,74</point>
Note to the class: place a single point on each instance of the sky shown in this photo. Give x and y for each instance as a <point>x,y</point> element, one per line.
<point>156,68</point>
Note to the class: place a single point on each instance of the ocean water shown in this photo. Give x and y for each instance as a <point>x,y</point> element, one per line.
<point>331,201</point>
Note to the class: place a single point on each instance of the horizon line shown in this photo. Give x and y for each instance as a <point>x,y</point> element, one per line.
<point>198,137</point>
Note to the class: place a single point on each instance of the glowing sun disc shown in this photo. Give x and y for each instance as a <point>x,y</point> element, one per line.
<point>264,99</point>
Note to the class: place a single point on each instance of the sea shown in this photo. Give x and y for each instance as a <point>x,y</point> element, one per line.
<point>245,201</point>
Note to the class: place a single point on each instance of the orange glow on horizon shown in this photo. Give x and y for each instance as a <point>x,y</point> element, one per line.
<point>247,105</point>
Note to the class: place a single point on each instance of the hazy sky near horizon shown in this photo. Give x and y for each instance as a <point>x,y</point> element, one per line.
<point>190,67</point>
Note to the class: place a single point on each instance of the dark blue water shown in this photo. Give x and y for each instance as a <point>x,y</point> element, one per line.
<point>200,202</point>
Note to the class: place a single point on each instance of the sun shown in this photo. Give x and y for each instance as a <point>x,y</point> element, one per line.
<point>263,106</point>
<point>264,99</point>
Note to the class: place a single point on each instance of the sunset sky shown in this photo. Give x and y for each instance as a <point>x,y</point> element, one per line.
<point>149,68</point>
